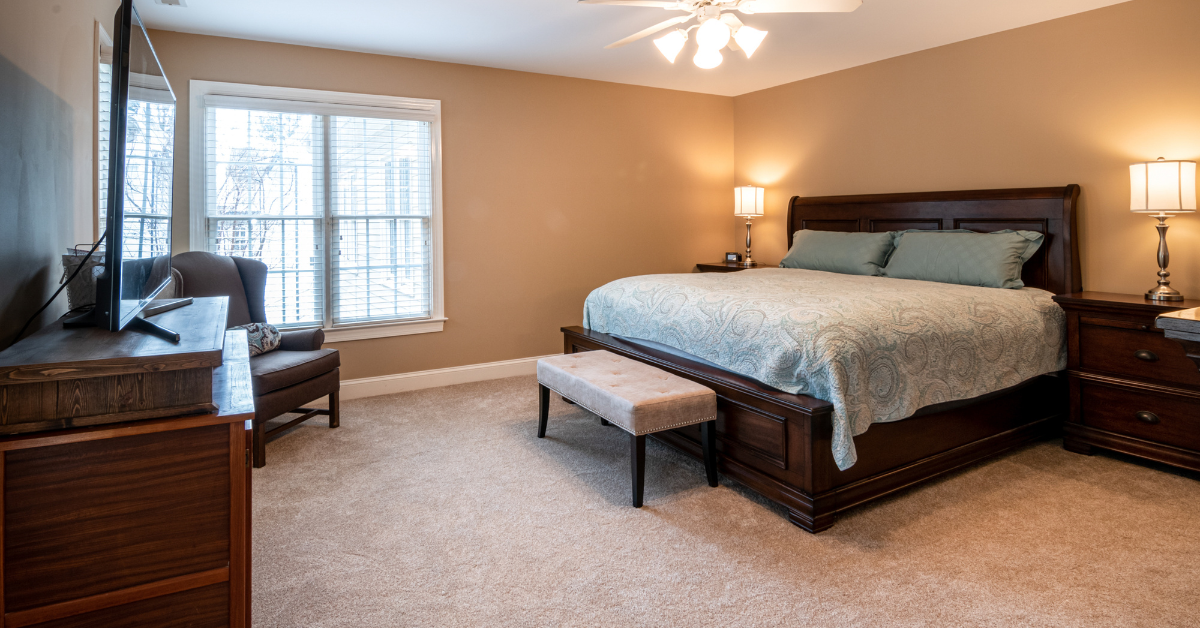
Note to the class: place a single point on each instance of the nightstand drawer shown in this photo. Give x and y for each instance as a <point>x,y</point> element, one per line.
<point>1162,418</point>
<point>1122,348</point>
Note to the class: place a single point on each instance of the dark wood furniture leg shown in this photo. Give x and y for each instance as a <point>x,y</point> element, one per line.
<point>1077,447</point>
<point>708,441</point>
<point>543,409</point>
<point>604,422</point>
<point>335,417</point>
<point>259,439</point>
<point>637,466</point>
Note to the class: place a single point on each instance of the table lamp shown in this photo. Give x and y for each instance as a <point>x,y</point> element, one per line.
<point>1163,188</point>
<point>748,202</point>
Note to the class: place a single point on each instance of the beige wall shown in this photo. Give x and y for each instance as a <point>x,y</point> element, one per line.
<point>1074,100</point>
<point>47,80</point>
<point>552,186</point>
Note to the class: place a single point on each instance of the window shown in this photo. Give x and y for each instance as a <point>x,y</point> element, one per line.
<point>149,156</point>
<point>339,194</point>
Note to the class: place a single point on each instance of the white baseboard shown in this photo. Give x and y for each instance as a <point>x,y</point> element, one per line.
<point>403,382</point>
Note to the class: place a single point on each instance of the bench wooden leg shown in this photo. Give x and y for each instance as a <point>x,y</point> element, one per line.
<point>637,466</point>
<point>335,417</point>
<point>543,409</point>
<point>708,439</point>
<point>258,443</point>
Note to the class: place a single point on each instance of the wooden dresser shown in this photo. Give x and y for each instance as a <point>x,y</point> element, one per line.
<point>126,496</point>
<point>1132,390</point>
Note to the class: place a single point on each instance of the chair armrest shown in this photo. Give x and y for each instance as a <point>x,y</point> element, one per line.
<point>301,340</point>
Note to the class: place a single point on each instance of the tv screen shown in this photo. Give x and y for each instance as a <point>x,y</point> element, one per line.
<point>141,177</point>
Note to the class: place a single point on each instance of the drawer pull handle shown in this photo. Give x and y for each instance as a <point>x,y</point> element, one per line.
<point>1147,417</point>
<point>1146,356</point>
<point>1145,328</point>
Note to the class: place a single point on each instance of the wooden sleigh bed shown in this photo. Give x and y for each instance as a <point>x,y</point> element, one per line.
<point>779,444</point>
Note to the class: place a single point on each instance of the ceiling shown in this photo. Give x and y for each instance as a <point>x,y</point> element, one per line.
<point>563,38</point>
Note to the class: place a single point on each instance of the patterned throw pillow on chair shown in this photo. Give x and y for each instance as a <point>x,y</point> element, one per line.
<point>263,337</point>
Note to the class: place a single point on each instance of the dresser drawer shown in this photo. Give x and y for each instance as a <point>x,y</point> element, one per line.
<point>1162,418</point>
<point>1122,348</point>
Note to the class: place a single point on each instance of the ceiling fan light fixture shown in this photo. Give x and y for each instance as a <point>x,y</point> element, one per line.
<point>748,39</point>
<point>707,58</point>
<point>671,43</point>
<point>712,35</point>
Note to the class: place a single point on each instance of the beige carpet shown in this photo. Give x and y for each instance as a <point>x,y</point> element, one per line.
<point>442,508</point>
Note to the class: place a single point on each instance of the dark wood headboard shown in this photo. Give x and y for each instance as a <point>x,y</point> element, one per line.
<point>1051,211</point>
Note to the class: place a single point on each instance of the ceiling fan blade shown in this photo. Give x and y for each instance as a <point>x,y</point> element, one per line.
<point>649,31</point>
<point>635,3</point>
<point>800,6</point>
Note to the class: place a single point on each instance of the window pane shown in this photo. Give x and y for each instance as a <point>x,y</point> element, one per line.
<point>381,172</point>
<point>382,269</point>
<point>265,201</point>
<point>149,155</point>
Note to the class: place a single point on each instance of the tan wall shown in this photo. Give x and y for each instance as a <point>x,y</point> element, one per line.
<point>1074,100</point>
<point>552,186</point>
<point>47,80</point>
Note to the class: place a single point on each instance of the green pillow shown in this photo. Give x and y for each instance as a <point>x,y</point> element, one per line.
<point>839,252</point>
<point>992,260</point>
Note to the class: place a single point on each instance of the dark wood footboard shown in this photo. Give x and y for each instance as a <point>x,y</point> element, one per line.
<point>779,444</point>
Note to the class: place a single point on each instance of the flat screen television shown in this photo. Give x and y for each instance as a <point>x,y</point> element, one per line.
<point>137,256</point>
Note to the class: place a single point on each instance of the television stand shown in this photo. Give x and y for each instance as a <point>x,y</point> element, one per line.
<point>125,475</point>
<point>88,319</point>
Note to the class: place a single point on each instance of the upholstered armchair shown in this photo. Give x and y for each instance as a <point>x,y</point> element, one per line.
<point>296,373</point>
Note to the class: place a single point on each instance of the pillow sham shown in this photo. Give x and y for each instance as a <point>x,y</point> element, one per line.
<point>263,337</point>
<point>991,260</point>
<point>839,252</point>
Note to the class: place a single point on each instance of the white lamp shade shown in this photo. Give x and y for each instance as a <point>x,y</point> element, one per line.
<point>748,39</point>
<point>712,34</point>
<point>707,58</point>
<point>1167,187</point>
<point>748,201</point>
<point>670,44</point>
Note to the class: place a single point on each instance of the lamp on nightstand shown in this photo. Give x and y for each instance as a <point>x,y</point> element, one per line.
<point>1163,188</point>
<point>748,202</point>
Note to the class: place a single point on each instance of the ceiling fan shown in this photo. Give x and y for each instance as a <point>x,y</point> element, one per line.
<point>715,30</point>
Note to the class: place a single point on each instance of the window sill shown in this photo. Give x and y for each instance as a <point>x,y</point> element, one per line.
<point>384,330</point>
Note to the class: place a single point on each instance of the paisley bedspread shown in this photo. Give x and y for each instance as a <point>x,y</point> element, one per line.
<point>877,348</point>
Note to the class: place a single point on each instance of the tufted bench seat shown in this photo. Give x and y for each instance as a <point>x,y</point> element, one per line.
<point>635,397</point>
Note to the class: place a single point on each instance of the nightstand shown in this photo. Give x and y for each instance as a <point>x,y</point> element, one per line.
<point>1132,390</point>
<point>726,267</point>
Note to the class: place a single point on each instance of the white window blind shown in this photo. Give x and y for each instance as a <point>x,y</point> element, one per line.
<point>381,209</point>
<point>103,133</point>
<point>341,208</point>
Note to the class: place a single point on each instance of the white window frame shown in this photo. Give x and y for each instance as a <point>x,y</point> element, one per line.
<point>329,103</point>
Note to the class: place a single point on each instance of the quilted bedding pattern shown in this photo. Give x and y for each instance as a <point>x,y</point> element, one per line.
<point>877,348</point>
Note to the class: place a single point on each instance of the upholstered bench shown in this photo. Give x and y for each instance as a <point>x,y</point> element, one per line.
<point>635,397</point>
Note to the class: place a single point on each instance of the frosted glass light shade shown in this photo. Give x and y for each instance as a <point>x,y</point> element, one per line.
<point>1167,187</point>
<point>747,201</point>
<point>748,39</point>
<point>707,58</point>
<point>712,35</point>
<point>671,43</point>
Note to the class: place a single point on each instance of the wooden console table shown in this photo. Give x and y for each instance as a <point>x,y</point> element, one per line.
<point>126,497</point>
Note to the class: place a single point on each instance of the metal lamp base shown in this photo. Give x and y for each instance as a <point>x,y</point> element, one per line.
<point>1164,293</point>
